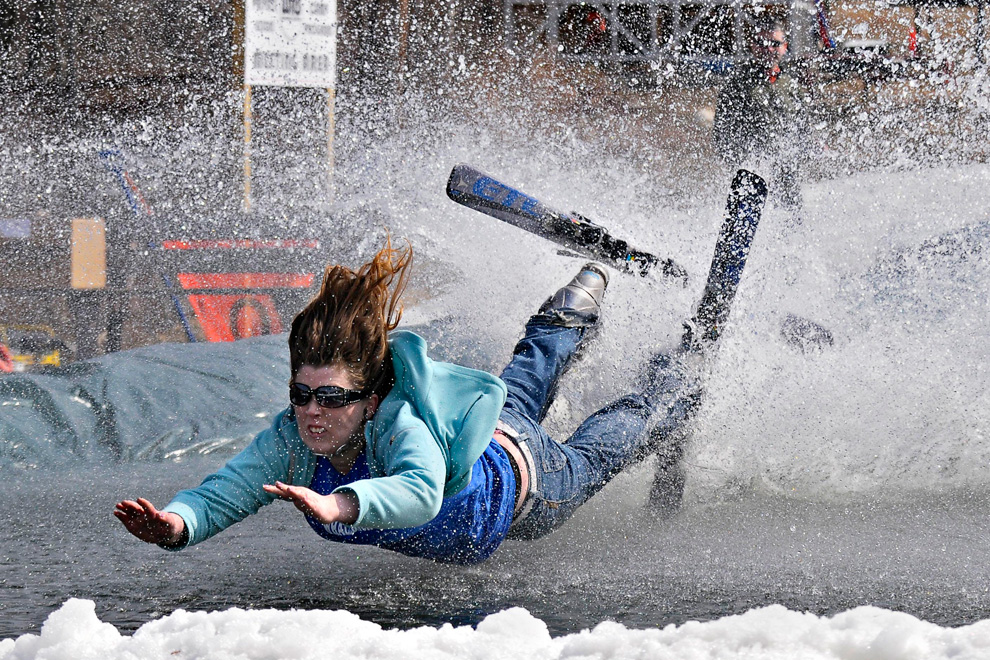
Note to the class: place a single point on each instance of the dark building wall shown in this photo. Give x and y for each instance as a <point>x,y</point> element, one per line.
<point>110,55</point>
<point>115,55</point>
<point>160,81</point>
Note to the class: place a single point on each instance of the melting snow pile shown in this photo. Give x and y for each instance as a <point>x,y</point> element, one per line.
<point>74,632</point>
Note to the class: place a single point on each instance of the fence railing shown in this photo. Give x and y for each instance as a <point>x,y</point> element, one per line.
<point>644,30</point>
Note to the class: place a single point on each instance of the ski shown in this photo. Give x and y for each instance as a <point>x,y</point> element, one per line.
<point>478,191</point>
<point>742,216</point>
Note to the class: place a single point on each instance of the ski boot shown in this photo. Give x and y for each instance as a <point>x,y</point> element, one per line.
<point>577,305</point>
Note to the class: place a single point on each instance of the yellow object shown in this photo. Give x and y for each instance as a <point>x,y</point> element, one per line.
<point>31,345</point>
<point>89,253</point>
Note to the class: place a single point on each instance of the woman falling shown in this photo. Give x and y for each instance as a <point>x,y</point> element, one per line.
<point>383,446</point>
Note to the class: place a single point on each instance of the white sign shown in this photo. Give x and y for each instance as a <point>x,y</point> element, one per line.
<point>290,43</point>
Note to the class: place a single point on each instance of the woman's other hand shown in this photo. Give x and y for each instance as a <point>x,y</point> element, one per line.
<point>144,521</point>
<point>335,507</point>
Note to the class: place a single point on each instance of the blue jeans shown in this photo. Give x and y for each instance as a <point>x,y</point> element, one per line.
<point>618,435</point>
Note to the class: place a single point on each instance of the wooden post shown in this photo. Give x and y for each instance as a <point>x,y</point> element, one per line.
<point>88,279</point>
<point>238,67</point>
<point>403,44</point>
<point>248,117</point>
<point>981,29</point>
<point>331,129</point>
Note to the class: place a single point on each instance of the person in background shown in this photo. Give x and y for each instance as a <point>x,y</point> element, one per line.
<point>381,445</point>
<point>759,117</point>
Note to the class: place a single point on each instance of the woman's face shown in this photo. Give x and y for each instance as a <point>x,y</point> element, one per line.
<point>326,430</point>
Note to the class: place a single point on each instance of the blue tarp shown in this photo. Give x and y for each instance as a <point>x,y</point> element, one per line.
<point>147,403</point>
<point>165,401</point>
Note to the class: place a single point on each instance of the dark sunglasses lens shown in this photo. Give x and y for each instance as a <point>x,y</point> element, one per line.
<point>331,400</point>
<point>299,395</point>
<point>328,397</point>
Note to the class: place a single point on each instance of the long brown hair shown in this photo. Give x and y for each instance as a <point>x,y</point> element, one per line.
<point>348,322</point>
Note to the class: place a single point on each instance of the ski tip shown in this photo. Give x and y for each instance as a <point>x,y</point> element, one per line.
<point>462,178</point>
<point>749,183</point>
<point>454,182</point>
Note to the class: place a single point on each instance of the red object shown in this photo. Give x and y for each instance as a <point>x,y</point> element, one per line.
<point>913,41</point>
<point>231,316</point>
<point>597,21</point>
<point>226,317</point>
<point>235,316</point>
<point>6,362</point>
<point>248,320</point>
<point>596,28</point>
<point>245,280</point>
<point>239,244</point>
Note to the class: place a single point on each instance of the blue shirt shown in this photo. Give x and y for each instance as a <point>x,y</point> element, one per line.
<point>423,445</point>
<point>470,526</point>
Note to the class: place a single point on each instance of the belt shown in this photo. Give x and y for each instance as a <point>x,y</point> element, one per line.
<point>515,459</point>
<point>505,434</point>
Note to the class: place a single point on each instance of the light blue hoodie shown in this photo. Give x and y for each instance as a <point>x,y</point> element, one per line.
<point>421,447</point>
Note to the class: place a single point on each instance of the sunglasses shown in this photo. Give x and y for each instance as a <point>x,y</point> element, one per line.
<point>328,396</point>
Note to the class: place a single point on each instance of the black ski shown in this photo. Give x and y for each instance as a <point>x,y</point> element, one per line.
<point>478,191</point>
<point>742,216</point>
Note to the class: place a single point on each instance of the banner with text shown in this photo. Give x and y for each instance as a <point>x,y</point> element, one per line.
<point>290,43</point>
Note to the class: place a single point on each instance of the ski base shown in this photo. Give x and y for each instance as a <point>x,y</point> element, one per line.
<point>481,192</point>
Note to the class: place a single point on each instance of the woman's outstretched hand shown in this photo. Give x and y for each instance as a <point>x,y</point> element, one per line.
<point>335,507</point>
<point>144,521</point>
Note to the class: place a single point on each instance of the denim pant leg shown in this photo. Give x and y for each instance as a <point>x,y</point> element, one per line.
<point>613,438</point>
<point>538,360</point>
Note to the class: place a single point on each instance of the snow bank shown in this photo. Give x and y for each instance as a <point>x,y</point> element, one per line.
<point>74,632</point>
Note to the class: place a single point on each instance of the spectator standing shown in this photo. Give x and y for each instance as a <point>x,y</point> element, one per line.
<point>758,119</point>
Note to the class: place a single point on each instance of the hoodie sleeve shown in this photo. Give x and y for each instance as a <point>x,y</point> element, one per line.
<point>234,492</point>
<point>411,491</point>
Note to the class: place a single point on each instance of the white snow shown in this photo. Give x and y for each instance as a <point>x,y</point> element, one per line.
<point>866,633</point>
